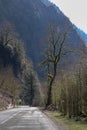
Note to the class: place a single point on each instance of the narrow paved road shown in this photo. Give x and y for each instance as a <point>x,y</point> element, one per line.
<point>25,118</point>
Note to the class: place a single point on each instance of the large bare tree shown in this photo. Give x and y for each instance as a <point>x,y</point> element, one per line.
<point>55,51</point>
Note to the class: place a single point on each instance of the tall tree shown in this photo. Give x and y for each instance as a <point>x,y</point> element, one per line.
<point>29,89</point>
<point>55,51</point>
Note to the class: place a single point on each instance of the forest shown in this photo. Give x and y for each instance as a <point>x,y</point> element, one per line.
<point>66,90</point>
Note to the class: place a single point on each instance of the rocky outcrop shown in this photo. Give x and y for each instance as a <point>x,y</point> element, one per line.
<point>6,100</point>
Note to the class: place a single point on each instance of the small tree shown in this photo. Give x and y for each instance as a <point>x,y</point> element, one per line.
<point>6,34</point>
<point>55,51</point>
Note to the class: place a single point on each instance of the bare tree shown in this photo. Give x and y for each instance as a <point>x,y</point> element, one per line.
<point>6,33</point>
<point>55,51</point>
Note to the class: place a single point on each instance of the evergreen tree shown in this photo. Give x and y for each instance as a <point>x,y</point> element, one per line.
<point>29,89</point>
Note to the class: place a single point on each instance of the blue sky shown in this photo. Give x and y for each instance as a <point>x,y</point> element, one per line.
<point>76,10</point>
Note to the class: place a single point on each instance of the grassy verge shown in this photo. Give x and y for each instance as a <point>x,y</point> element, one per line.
<point>71,124</point>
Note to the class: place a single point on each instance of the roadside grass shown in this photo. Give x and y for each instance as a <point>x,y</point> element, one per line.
<point>71,124</point>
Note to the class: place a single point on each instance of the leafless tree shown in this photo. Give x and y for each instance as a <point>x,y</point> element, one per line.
<point>55,51</point>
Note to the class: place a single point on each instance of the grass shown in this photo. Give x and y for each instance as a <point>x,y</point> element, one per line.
<point>71,124</point>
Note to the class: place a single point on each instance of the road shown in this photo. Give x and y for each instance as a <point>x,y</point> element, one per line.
<point>25,118</point>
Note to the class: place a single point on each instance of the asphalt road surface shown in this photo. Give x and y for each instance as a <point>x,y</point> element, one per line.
<point>25,118</point>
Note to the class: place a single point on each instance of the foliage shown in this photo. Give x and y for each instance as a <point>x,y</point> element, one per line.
<point>10,60</point>
<point>28,91</point>
<point>11,48</point>
<point>71,93</point>
<point>13,59</point>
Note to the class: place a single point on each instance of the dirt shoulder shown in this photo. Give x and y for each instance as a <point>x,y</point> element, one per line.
<point>64,123</point>
<point>59,124</point>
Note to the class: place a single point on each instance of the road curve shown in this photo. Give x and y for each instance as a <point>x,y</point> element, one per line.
<point>25,118</point>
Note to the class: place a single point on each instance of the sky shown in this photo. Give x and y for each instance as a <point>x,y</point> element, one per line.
<point>76,10</point>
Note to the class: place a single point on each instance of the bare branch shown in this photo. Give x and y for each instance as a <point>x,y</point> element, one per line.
<point>61,48</point>
<point>66,52</point>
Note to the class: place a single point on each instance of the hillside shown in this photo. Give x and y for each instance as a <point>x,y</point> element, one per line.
<point>31,19</point>
<point>15,71</point>
<point>83,34</point>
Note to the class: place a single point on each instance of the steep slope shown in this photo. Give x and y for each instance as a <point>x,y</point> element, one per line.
<point>14,67</point>
<point>31,19</point>
<point>83,34</point>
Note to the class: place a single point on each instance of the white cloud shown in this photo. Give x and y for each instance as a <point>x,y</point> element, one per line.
<point>76,10</point>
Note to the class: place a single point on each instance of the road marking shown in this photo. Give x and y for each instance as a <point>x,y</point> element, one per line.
<point>9,118</point>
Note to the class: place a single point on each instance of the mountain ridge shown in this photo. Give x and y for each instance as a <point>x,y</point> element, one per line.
<point>82,33</point>
<point>31,20</point>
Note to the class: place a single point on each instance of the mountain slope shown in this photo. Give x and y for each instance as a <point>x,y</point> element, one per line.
<point>31,19</point>
<point>83,34</point>
<point>14,68</point>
